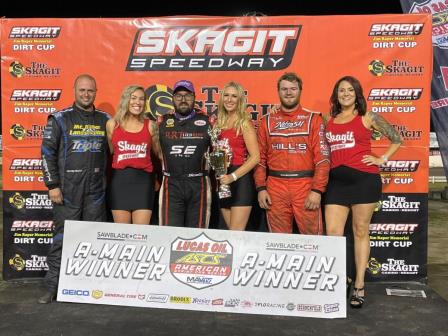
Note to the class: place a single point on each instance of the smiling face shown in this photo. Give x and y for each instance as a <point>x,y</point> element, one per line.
<point>183,101</point>
<point>85,93</point>
<point>230,97</point>
<point>136,103</point>
<point>346,95</point>
<point>289,93</point>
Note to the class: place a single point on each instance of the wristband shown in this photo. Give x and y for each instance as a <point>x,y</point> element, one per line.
<point>385,158</point>
<point>234,177</point>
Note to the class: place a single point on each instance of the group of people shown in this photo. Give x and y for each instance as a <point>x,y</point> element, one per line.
<point>296,160</point>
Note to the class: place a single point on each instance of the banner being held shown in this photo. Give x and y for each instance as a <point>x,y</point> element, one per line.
<point>195,269</point>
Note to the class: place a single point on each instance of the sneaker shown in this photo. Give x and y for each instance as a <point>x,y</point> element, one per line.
<point>48,297</point>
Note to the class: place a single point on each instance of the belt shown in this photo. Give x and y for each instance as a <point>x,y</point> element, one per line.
<point>199,174</point>
<point>291,173</point>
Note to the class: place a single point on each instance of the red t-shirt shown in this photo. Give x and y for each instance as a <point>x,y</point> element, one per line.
<point>349,142</point>
<point>228,137</point>
<point>132,150</point>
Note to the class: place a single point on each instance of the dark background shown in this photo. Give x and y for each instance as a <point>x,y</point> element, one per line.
<point>153,8</point>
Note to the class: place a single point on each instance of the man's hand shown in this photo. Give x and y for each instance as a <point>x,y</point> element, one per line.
<point>264,199</point>
<point>312,201</point>
<point>56,195</point>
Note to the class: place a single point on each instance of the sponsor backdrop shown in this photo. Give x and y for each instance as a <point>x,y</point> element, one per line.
<point>390,54</point>
<point>439,84</point>
<point>213,270</point>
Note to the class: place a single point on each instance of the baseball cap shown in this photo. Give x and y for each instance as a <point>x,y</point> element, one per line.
<point>183,84</point>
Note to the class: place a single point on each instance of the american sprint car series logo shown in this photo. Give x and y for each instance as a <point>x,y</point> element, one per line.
<point>201,262</point>
<point>198,48</point>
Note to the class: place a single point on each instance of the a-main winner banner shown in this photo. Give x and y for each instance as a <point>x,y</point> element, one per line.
<point>194,269</point>
<point>390,54</point>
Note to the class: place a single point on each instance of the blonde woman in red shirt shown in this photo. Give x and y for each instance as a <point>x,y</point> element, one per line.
<point>131,137</point>
<point>237,133</point>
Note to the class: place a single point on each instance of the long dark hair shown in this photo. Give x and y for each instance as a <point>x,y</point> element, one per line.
<point>360,101</point>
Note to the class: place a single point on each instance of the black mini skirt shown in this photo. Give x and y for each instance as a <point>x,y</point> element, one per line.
<point>131,189</point>
<point>348,186</point>
<point>243,191</point>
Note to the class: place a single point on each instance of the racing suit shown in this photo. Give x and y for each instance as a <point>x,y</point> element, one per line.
<point>185,197</point>
<point>294,159</point>
<point>74,158</point>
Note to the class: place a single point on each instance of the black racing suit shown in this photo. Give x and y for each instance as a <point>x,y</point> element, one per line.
<point>74,158</point>
<point>184,197</point>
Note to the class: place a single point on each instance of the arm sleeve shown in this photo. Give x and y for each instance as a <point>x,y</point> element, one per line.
<point>321,153</point>
<point>49,152</point>
<point>260,169</point>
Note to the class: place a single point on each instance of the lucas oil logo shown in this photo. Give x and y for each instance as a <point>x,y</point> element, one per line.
<point>235,48</point>
<point>201,262</point>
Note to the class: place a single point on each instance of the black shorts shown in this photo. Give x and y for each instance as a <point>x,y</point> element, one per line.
<point>243,191</point>
<point>348,186</point>
<point>131,189</point>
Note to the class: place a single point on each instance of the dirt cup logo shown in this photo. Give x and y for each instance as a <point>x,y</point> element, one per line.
<point>224,48</point>
<point>201,262</point>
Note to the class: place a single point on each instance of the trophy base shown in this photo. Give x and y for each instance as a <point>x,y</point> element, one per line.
<point>224,192</point>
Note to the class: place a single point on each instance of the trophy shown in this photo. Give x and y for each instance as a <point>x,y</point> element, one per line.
<point>219,159</point>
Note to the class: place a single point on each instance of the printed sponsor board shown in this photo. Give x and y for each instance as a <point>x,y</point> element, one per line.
<point>184,268</point>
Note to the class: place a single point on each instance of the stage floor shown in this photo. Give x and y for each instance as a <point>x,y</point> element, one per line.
<point>381,315</point>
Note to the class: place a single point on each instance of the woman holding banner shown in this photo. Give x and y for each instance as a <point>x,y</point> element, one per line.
<point>131,137</point>
<point>354,182</point>
<point>237,135</point>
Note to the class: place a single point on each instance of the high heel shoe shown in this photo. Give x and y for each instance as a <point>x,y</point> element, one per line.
<point>356,301</point>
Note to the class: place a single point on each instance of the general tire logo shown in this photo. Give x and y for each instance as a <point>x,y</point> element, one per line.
<point>198,48</point>
<point>201,262</point>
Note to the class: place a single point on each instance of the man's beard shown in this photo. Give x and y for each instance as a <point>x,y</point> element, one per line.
<point>183,109</point>
<point>290,104</point>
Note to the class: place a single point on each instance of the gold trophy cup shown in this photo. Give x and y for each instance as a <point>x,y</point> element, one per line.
<point>219,159</point>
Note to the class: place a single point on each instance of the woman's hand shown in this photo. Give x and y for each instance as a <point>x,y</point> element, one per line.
<point>372,160</point>
<point>226,179</point>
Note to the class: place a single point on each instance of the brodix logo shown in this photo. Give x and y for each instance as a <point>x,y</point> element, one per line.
<point>244,48</point>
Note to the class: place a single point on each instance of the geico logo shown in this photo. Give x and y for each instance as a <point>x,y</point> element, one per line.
<point>86,145</point>
<point>398,93</point>
<point>185,150</point>
<point>223,41</point>
<point>77,292</point>
<point>27,163</point>
<point>36,94</point>
<point>201,259</point>
<point>32,224</point>
<point>396,29</point>
<point>32,31</point>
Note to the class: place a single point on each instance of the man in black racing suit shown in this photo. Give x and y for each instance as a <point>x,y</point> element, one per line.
<point>184,197</point>
<point>74,159</point>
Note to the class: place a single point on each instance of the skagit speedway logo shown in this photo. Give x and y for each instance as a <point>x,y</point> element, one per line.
<point>201,262</point>
<point>243,48</point>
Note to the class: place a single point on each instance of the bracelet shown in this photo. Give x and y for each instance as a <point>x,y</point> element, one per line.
<point>234,177</point>
<point>385,158</point>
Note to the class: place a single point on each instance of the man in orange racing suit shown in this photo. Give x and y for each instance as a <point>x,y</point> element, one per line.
<point>294,162</point>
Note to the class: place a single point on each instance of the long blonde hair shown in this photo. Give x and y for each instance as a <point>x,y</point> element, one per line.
<point>242,117</point>
<point>123,106</point>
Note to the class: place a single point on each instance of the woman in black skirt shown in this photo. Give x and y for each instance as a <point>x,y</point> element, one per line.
<point>237,136</point>
<point>354,181</point>
<point>131,137</point>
